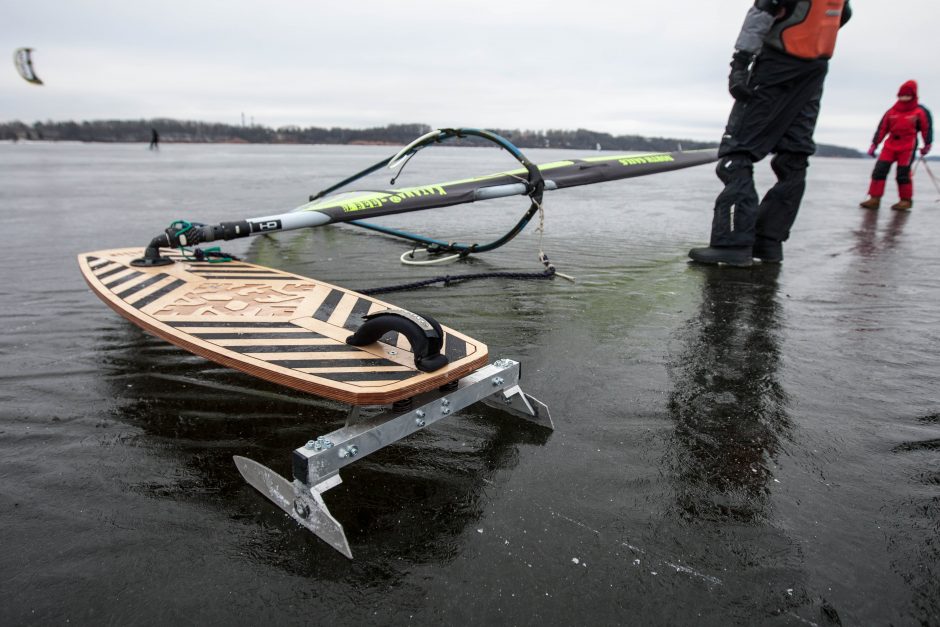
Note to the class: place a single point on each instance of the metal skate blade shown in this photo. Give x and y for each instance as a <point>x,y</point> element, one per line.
<point>304,505</point>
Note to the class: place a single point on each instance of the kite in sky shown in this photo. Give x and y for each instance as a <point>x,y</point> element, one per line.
<point>24,65</point>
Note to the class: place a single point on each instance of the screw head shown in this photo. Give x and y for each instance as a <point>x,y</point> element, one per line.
<point>302,509</point>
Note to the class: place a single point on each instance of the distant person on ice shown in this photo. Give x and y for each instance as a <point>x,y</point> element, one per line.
<point>154,139</point>
<point>777,72</point>
<point>900,124</point>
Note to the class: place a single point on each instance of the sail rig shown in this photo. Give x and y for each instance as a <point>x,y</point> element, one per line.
<point>329,207</point>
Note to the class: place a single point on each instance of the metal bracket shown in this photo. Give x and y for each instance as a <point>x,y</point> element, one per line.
<point>316,465</point>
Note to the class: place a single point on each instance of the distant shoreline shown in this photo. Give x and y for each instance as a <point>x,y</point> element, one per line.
<point>194,132</point>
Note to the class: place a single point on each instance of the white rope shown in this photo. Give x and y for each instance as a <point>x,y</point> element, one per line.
<point>427,262</point>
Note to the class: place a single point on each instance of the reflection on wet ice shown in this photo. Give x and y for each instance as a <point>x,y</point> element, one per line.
<point>727,402</point>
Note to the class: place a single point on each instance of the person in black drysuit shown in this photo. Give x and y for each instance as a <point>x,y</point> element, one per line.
<point>777,72</point>
<point>154,139</point>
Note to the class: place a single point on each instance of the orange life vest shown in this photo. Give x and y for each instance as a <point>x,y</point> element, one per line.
<point>809,31</point>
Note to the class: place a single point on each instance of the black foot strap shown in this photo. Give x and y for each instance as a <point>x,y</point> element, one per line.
<point>423,332</point>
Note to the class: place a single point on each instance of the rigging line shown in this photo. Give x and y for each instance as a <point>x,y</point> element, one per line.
<point>401,168</point>
<point>452,279</point>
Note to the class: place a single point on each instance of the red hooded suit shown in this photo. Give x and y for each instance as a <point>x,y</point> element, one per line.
<point>900,124</point>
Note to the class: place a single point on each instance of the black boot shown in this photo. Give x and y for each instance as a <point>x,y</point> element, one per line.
<point>730,255</point>
<point>768,250</point>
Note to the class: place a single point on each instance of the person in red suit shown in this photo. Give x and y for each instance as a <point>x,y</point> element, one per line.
<point>900,124</point>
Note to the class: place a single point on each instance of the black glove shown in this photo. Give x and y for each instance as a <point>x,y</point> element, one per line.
<point>740,76</point>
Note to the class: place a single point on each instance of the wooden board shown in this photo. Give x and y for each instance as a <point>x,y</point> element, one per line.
<point>274,325</point>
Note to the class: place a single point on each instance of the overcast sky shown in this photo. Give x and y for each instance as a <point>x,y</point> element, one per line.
<point>651,68</point>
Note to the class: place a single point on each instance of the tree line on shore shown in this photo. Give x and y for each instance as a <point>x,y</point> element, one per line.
<point>184,131</point>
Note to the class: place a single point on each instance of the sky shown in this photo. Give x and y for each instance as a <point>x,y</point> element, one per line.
<point>621,67</point>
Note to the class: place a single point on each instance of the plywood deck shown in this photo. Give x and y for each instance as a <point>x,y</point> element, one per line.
<point>274,325</point>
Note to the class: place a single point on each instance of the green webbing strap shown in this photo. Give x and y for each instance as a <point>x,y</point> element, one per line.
<point>209,255</point>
